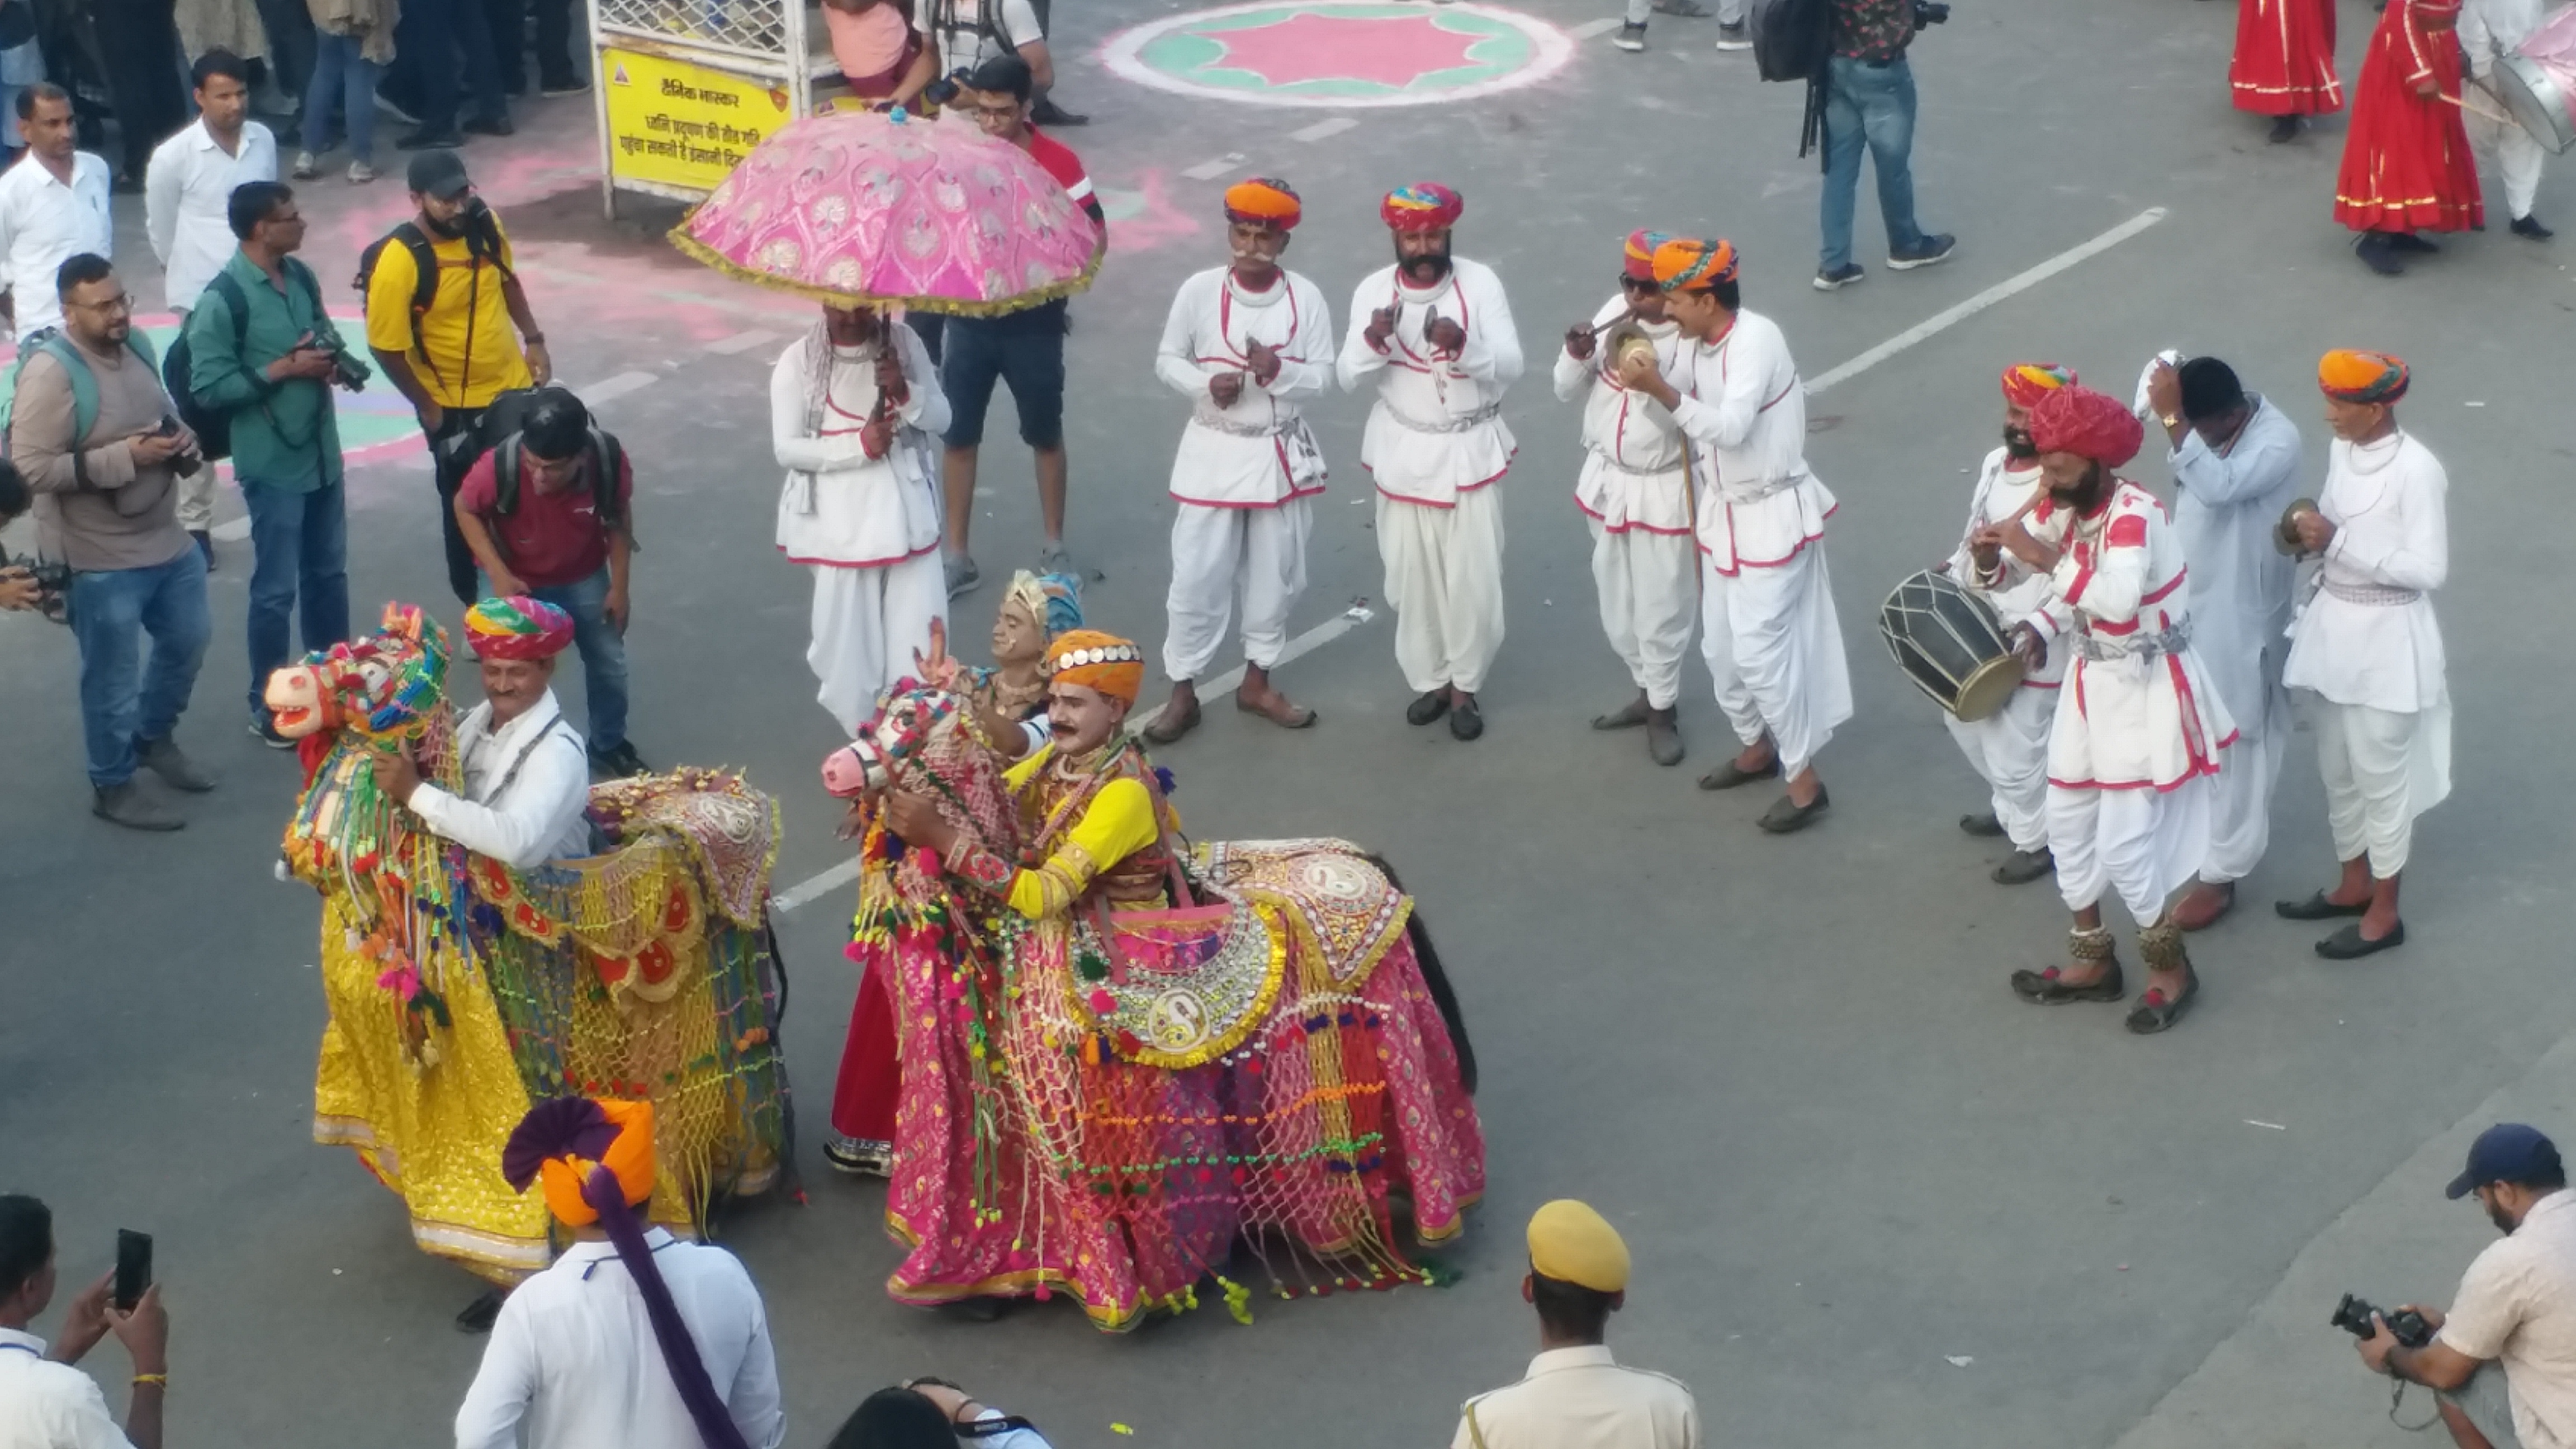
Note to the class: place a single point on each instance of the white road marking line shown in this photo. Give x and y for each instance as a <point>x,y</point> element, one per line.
<point>1591,28</point>
<point>741,341</point>
<point>1211,170</point>
<point>805,892</point>
<point>2000,291</point>
<point>1321,129</point>
<point>610,389</point>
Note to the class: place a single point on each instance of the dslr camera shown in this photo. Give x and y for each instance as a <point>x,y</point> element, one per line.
<point>2352,1315</point>
<point>1931,12</point>
<point>52,579</point>
<point>348,373</point>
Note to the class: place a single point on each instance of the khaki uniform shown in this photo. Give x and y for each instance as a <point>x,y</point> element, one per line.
<point>1579,1398</point>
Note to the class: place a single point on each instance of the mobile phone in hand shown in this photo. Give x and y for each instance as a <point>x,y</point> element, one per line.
<point>133,1267</point>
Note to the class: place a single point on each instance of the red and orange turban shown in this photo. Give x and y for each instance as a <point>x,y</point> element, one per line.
<point>2025,383</point>
<point>1639,259</point>
<point>1686,264</point>
<point>1095,660</point>
<point>564,1141</point>
<point>1422,206</point>
<point>1265,199</point>
<point>2079,420</point>
<point>517,627</point>
<point>2362,377</point>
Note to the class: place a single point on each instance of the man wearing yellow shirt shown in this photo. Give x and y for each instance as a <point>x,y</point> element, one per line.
<point>454,343</point>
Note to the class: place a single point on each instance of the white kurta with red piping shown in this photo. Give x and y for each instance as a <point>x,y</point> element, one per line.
<point>1634,492</point>
<point>2009,748</point>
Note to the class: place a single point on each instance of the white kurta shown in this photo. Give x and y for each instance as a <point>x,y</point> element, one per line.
<point>1634,491</point>
<point>2009,748</point>
<point>1435,442</point>
<point>2227,512</point>
<point>2489,31</point>
<point>1768,628</point>
<point>526,786</point>
<point>2366,643</point>
<point>868,528</point>
<point>1243,473</point>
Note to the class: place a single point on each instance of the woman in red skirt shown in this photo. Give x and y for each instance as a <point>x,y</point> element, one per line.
<point>2406,164</point>
<point>2284,66</point>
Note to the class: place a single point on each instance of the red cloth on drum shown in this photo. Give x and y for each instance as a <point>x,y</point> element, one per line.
<point>863,1099</point>
<point>2285,61</point>
<point>2406,159</point>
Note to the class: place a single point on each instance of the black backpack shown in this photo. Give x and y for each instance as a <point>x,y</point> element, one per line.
<point>498,435</point>
<point>1792,41</point>
<point>424,286</point>
<point>212,425</point>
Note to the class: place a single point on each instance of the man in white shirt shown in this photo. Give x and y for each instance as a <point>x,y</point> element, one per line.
<point>631,1339</point>
<point>2515,1314</point>
<point>2490,30</point>
<point>527,774</point>
<point>1634,493</point>
<point>1768,629</point>
<point>1249,345</point>
<point>963,34</point>
<point>53,207</point>
<point>2236,463</point>
<point>46,1403</point>
<point>2368,651</point>
<point>1437,333</point>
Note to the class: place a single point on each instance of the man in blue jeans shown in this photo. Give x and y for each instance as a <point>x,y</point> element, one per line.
<point>262,351</point>
<point>549,512</point>
<point>1869,101</point>
<point>93,434</point>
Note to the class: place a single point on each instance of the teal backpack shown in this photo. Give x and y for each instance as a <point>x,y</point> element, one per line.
<point>52,343</point>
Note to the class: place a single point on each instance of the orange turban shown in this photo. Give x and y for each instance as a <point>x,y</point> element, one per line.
<point>2362,377</point>
<point>1105,662</point>
<point>1639,261</point>
<point>2088,424</point>
<point>562,1141</point>
<point>2025,383</point>
<point>1264,199</point>
<point>1684,264</point>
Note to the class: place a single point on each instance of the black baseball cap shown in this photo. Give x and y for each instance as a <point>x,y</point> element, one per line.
<point>2507,1152</point>
<point>439,174</point>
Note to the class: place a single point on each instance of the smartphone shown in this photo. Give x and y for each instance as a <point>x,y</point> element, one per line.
<point>133,1267</point>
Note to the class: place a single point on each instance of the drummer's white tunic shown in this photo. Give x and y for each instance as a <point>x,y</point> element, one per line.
<point>2139,730</point>
<point>868,528</point>
<point>1768,630</point>
<point>1634,491</point>
<point>2489,31</point>
<point>2010,747</point>
<point>1434,446</point>
<point>1243,473</point>
<point>2227,512</point>
<point>2366,653</point>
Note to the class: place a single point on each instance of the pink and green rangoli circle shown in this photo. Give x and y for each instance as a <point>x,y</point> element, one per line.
<point>1340,53</point>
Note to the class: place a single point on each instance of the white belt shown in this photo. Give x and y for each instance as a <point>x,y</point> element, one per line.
<point>1459,424</point>
<point>1615,466</point>
<point>2172,639</point>
<point>2371,593</point>
<point>1272,429</point>
<point>1730,493</point>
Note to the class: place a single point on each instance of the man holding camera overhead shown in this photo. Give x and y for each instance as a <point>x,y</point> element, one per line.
<point>262,351</point>
<point>442,302</point>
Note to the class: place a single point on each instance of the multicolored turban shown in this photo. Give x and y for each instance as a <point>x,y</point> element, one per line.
<point>561,1143</point>
<point>1639,260</point>
<point>1264,199</point>
<point>2079,420</point>
<point>1686,264</point>
<point>1054,601</point>
<point>1422,206</point>
<point>517,627</point>
<point>1105,662</point>
<point>2025,383</point>
<point>2362,377</point>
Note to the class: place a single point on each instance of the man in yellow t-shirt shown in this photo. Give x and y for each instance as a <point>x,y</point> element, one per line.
<point>454,355</point>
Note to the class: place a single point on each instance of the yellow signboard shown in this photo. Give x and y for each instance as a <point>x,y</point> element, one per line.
<point>671,123</point>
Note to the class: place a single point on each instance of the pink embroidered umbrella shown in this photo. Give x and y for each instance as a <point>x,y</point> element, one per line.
<point>897,211</point>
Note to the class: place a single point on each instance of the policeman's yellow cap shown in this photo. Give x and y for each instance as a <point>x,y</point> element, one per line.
<point>1570,1242</point>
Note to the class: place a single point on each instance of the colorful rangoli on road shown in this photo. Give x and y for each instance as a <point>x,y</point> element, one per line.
<point>1340,53</point>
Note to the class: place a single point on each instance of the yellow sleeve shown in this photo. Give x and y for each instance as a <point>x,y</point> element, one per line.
<point>1119,823</point>
<point>389,291</point>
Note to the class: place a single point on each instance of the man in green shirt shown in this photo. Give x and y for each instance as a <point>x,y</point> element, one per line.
<point>262,351</point>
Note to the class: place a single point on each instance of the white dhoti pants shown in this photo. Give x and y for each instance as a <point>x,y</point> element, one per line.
<point>1774,647</point>
<point>2142,843</point>
<point>1649,588</point>
<point>1220,555</point>
<point>1444,577</point>
<point>2240,798</point>
<point>867,624</point>
<point>2382,769</point>
<point>2518,159</point>
<point>197,500</point>
<point>2009,748</point>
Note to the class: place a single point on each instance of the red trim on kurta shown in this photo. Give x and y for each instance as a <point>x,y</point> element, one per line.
<point>1293,495</point>
<point>1742,562</point>
<point>1630,526</point>
<point>1384,492</point>
<point>2129,531</point>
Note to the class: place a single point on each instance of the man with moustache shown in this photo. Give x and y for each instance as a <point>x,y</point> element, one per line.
<point>1634,492</point>
<point>2010,747</point>
<point>2138,728</point>
<point>1249,344</point>
<point>1437,333</point>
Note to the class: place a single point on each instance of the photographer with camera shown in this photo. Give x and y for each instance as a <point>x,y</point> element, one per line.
<point>443,301</point>
<point>22,585</point>
<point>2515,1311</point>
<point>46,1403</point>
<point>263,355</point>
<point>95,436</point>
<point>1869,101</point>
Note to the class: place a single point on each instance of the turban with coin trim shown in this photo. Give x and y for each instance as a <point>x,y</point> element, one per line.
<point>1571,1243</point>
<point>2088,424</point>
<point>1687,264</point>
<point>1095,660</point>
<point>1422,206</point>
<point>1264,199</point>
<point>2362,377</point>
<point>2025,383</point>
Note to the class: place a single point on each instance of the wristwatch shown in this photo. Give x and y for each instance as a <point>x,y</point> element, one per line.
<point>2169,419</point>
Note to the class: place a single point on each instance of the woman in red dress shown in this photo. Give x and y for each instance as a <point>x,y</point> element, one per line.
<point>2406,163</point>
<point>2284,64</point>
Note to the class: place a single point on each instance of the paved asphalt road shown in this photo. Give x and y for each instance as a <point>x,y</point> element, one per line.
<point>1873,1199</point>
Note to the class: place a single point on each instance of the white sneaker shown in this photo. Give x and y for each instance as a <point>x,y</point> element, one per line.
<point>360,173</point>
<point>1733,37</point>
<point>307,166</point>
<point>1631,36</point>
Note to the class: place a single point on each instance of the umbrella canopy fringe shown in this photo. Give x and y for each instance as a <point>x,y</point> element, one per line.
<point>699,251</point>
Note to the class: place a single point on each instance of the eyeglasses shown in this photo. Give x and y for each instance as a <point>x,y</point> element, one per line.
<point>121,302</point>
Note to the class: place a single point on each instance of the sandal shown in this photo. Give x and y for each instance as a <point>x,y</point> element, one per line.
<point>2046,988</point>
<point>1165,731</point>
<point>1730,774</point>
<point>2154,1013</point>
<point>2315,908</point>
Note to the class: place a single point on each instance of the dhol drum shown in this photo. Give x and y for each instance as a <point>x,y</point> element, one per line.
<point>1950,644</point>
<point>2538,82</point>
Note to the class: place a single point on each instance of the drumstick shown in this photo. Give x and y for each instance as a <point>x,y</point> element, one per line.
<point>2477,110</point>
<point>1600,327</point>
